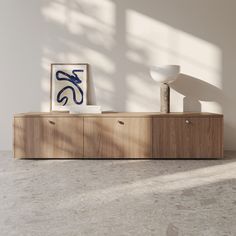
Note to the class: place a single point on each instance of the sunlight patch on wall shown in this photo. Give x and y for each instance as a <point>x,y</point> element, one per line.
<point>56,11</point>
<point>211,106</point>
<point>91,18</point>
<point>200,59</point>
<point>140,96</point>
<point>95,58</point>
<point>165,44</point>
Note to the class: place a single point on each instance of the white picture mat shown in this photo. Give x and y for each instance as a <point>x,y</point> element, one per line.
<point>56,85</point>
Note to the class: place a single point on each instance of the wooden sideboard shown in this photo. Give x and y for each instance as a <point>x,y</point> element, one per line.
<point>118,135</point>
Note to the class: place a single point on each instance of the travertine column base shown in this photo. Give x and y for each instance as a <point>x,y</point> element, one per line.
<point>165,98</point>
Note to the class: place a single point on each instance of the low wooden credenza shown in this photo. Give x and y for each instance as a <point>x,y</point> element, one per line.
<point>118,135</point>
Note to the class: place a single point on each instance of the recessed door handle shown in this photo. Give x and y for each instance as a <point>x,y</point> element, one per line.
<point>121,122</point>
<point>52,122</point>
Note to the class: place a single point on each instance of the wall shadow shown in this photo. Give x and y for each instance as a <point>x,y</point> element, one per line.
<point>195,90</point>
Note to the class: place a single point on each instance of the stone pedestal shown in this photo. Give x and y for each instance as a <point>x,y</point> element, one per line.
<point>165,98</point>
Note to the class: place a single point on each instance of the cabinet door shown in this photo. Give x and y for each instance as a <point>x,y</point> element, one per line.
<point>48,137</point>
<point>117,137</point>
<point>187,137</point>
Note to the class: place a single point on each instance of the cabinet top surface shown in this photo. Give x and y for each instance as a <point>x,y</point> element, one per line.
<point>119,114</point>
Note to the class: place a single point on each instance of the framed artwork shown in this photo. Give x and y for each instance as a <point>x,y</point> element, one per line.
<point>68,86</point>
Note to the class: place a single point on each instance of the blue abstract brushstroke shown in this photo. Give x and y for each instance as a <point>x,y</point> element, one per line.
<point>74,79</point>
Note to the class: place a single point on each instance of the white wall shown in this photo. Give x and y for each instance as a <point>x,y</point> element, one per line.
<point>120,40</point>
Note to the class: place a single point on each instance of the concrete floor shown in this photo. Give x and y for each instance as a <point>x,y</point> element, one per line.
<point>117,197</point>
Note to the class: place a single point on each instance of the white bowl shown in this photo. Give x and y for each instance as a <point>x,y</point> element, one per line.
<point>165,74</point>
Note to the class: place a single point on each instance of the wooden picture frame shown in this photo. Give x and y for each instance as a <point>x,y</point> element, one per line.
<point>68,85</point>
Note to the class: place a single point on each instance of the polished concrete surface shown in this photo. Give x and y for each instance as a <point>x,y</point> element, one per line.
<point>117,197</point>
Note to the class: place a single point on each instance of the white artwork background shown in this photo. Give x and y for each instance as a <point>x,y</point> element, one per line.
<point>58,85</point>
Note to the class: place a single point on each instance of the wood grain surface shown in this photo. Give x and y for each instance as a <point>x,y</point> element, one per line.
<point>187,137</point>
<point>48,137</point>
<point>118,137</point>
